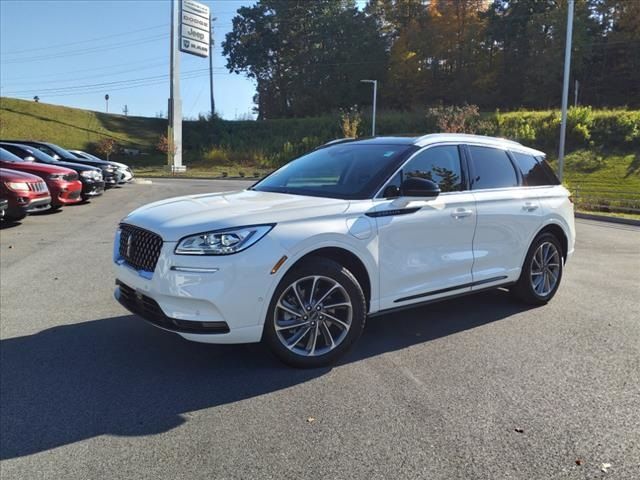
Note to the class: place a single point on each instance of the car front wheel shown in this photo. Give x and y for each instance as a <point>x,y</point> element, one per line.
<point>317,312</point>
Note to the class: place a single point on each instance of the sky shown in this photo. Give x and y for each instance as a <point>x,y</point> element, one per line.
<point>47,46</point>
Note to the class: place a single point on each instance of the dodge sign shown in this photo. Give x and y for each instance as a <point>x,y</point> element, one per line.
<point>195,30</point>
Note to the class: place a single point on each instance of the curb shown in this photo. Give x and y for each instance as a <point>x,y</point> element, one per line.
<point>177,177</point>
<point>606,218</point>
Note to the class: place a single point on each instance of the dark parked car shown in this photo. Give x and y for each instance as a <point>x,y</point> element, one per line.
<point>4,205</point>
<point>91,177</point>
<point>63,183</point>
<point>109,173</point>
<point>25,193</point>
<point>124,173</point>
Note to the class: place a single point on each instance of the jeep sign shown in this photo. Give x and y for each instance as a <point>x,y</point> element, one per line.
<point>194,28</point>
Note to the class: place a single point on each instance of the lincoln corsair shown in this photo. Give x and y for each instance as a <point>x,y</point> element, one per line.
<point>352,229</point>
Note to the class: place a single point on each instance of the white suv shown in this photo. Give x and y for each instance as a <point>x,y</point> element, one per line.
<point>352,229</point>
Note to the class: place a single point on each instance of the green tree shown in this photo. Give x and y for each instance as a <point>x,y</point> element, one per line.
<point>307,57</point>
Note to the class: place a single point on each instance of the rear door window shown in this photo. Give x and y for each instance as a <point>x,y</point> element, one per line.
<point>535,172</point>
<point>491,168</point>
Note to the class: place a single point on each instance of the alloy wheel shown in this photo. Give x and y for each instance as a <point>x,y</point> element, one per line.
<point>313,315</point>
<point>545,269</point>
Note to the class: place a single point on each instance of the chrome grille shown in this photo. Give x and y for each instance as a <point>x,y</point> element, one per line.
<point>38,187</point>
<point>139,248</point>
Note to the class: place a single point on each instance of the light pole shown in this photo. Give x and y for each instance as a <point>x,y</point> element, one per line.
<point>375,101</point>
<point>106,101</point>
<point>565,88</point>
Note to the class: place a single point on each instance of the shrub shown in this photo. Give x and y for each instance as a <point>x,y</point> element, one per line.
<point>106,146</point>
<point>453,119</point>
<point>225,174</point>
<point>241,173</point>
<point>584,161</point>
<point>350,120</point>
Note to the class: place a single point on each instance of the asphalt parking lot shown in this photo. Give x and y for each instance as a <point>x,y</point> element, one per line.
<point>473,388</point>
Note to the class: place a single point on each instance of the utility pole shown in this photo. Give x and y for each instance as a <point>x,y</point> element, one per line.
<point>375,101</point>
<point>213,102</point>
<point>125,110</point>
<point>575,93</point>
<point>565,88</point>
<point>106,100</point>
<point>174,131</point>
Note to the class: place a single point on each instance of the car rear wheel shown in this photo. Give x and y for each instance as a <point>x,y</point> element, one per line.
<point>541,272</point>
<point>317,312</point>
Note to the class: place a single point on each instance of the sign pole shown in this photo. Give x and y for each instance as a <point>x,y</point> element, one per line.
<point>174,132</point>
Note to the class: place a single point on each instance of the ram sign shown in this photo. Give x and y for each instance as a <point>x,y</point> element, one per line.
<point>194,28</point>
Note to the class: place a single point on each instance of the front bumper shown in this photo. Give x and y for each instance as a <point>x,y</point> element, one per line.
<point>66,193</point>
<point>224,301</point>
<point>92,188</point>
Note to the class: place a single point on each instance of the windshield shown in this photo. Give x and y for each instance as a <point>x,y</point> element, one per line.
<point>61,152</point>
<point>350,171</point>
<point>6,156</point>
<point>24,151</point>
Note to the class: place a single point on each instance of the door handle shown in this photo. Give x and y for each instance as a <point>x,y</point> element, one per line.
<point>461,213</point>
<point>530,206</point>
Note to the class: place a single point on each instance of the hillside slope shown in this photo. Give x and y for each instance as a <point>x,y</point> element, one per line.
<point>75,128</point>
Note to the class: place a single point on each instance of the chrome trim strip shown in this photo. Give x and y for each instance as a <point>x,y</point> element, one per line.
<point>194,269</point>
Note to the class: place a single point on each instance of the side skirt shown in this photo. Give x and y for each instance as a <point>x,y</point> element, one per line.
<point>435,300</point>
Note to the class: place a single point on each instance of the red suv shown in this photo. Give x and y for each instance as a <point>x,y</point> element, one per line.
<point>25,193</point>
<point>62,182</point>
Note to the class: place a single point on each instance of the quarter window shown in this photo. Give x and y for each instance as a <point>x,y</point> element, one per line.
<point>534,172</point>
<point>492,168</point>
<point>438,164</point>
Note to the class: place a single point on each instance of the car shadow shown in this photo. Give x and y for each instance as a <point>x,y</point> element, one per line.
<point>4,223</point>
<point>120,376</point>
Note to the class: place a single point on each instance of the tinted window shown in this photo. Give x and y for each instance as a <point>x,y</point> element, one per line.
<point>438,164</point>
<point>552,179</point>
<point>491,168</point>
<point>533,171</point>
<point>339,171</point>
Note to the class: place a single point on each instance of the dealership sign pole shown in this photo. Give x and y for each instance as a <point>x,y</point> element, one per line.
<point>190,33</point>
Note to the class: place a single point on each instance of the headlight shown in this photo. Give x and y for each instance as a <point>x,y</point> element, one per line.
<point>17,186</point>
<point>222,242</point>
<point>92,174</point>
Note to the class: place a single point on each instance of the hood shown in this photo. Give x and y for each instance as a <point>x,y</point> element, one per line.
<point>78,167</point>
<point>7,175</point>
<point>178,217</point>
<point>36,168</point>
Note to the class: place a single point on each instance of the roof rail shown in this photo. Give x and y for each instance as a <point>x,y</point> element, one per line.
<point>466,135</point>
<point>336,142</point>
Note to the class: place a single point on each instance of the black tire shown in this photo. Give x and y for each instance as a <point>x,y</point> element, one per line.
<point>524,289</point>
<point>350,287</point>
<point>14,217</point>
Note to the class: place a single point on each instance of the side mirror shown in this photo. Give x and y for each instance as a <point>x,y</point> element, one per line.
<point>391,191</point>
<point>56,156</point>
<point>419,187</point>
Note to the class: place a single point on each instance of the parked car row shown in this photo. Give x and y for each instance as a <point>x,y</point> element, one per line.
<point>38,176</point>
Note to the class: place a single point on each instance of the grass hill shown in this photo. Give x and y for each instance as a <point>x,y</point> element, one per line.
<point>75,128</point>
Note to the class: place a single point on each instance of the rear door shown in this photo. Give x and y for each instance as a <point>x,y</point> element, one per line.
<point>508,216</point>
